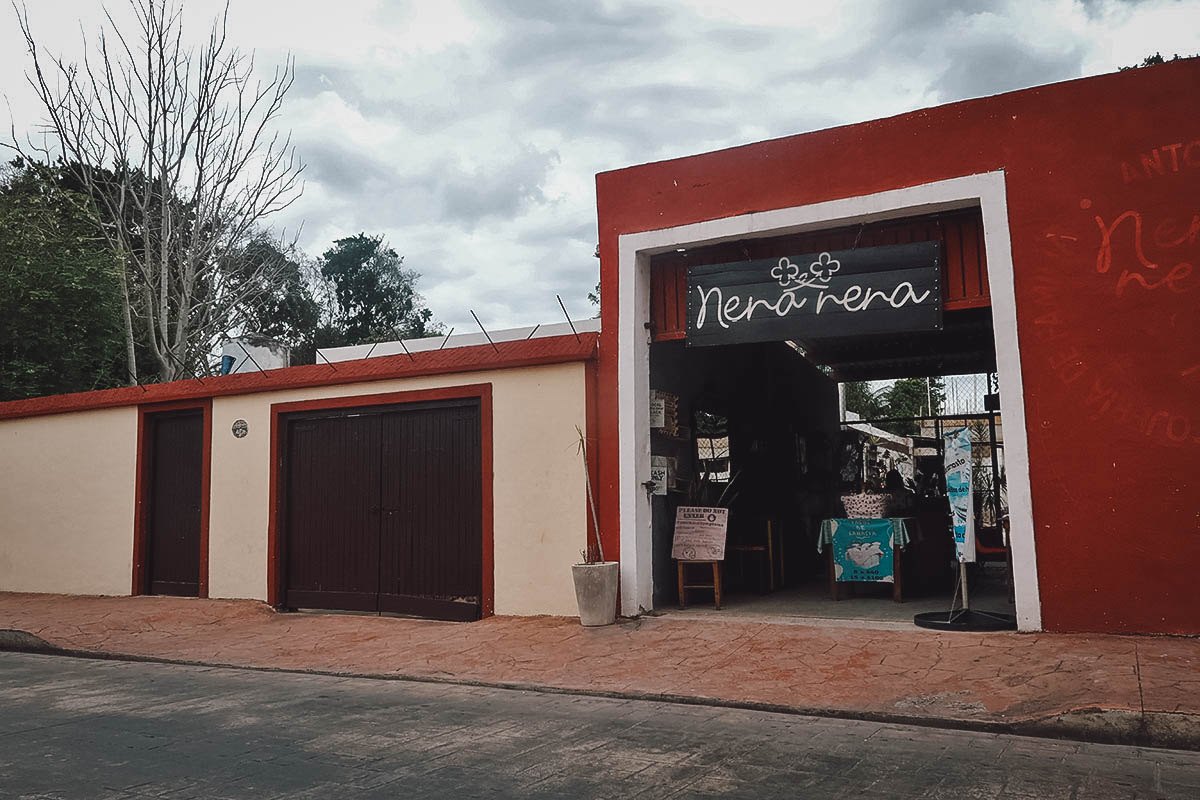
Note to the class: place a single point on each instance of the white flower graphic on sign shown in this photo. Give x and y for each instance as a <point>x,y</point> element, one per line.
<point>785,272</point>
<point>824,267</point>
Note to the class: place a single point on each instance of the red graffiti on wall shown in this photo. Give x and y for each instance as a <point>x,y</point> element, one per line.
<point>1141,249</point>
<point>1102,386</point>
<point>1167,236</point>
<point>1161,161</point>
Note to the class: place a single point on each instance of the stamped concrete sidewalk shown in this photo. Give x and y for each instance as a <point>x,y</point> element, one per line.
<point>1105,688</point>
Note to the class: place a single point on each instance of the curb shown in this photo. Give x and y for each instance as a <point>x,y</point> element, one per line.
<point>1161,730</point>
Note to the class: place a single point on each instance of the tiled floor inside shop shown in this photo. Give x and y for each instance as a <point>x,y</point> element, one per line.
<point>987,590</point>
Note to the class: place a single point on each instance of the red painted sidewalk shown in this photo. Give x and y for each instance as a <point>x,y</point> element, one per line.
<point>1148,688</point>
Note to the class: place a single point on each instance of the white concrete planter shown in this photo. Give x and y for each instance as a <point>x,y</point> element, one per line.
<point>596,592</point>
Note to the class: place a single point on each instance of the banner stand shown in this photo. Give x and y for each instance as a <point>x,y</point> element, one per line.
<point>958,489</point>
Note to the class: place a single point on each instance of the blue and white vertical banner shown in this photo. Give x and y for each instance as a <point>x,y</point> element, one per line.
<point>958,489</point>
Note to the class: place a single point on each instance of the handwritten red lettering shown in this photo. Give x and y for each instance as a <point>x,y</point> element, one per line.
<point>1171,280</point>
<point>1165,233</point>
<point>1153,163</point>
<point>1171,428</point>
<point>1193,147</point>
<point>1104,256</point>
<point>1154,421</point>
<point>1173,149</point>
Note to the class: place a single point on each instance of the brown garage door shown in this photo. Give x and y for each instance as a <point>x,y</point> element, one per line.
<point>383,510</point>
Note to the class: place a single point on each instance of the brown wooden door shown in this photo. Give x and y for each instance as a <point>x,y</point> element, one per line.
<point>333,513</point>
<point>173,513</point>
<point>431,530</point>
<point>383,510</point>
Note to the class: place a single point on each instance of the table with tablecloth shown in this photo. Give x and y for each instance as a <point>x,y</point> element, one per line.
<point>903,532</point>
<point>874,543</point>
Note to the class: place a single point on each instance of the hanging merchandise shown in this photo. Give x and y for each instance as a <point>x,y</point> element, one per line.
<point>958,488</point>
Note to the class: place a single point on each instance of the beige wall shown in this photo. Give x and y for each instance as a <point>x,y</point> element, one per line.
<point>539,495</point>
<point>67,502</point>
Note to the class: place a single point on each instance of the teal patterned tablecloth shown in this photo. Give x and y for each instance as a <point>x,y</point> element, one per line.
<point>900,532</point>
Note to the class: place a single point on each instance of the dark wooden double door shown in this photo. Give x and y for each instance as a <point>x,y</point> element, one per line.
<point>383,510</point>
<point>173,476</point>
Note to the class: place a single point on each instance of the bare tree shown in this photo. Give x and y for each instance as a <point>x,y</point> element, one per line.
<point>173,148</point>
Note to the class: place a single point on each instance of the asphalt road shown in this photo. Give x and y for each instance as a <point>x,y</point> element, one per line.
<point>72,728</point>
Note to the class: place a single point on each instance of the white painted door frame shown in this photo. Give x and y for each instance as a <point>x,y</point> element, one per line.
<point>987,191</point>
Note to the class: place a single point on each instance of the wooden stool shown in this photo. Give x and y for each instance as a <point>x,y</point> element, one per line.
<point>715,585</point>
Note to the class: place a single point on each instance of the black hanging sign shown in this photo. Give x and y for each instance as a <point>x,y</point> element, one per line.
<point>886,289</point>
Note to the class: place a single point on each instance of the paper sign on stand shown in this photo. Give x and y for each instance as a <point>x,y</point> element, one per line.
<point>700,533</point>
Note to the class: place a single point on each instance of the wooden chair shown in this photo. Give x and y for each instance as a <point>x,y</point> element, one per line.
<point>767,550</point>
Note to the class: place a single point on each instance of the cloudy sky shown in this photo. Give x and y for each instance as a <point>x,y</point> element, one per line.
<point>469,133</point>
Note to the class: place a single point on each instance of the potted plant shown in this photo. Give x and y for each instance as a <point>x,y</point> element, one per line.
<point>595,578</point>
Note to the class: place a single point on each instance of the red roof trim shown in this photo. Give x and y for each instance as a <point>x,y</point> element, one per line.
<point>505,355</point>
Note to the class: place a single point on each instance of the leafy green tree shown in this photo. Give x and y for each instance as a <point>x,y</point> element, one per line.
<point>171,145</point>
<point>594,298</point>
<point>284,308</point>
<point>373,298</point>
<point>912,397</point>
<point>60,302</point>
<point>861,400</point>
<point>906,397</point>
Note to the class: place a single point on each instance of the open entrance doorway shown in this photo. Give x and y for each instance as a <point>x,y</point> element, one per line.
<point>792,428</point>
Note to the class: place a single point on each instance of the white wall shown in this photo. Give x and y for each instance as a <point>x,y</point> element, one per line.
<point>539,495</point>
<point>67,502</point>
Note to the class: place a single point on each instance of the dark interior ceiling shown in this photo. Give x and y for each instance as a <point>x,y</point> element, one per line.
<point>964,345</point>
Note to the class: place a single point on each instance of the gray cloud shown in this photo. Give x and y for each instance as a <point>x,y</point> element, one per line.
<point>1097,8</point>
<point>638,117</point>
<point>1000,64</point>
<point>927,15</point>
<point>499,188</point>
<point>603,73</point>
<point>554,92</point>
<point>477,136</point>
<point>343,169</point>
<point>548,33</point>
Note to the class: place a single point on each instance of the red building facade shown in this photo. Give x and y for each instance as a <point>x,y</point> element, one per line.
<point>1086,198</point>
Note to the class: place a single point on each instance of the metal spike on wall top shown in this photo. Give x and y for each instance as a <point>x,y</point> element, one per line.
<point>403,346</point>
<point>568,316</point>
<point>327,361</point>
<point>443,344</point>
<point>171,356</point>
<point>252,360</point>
<point>485,333</point>
<point>133,378</point>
